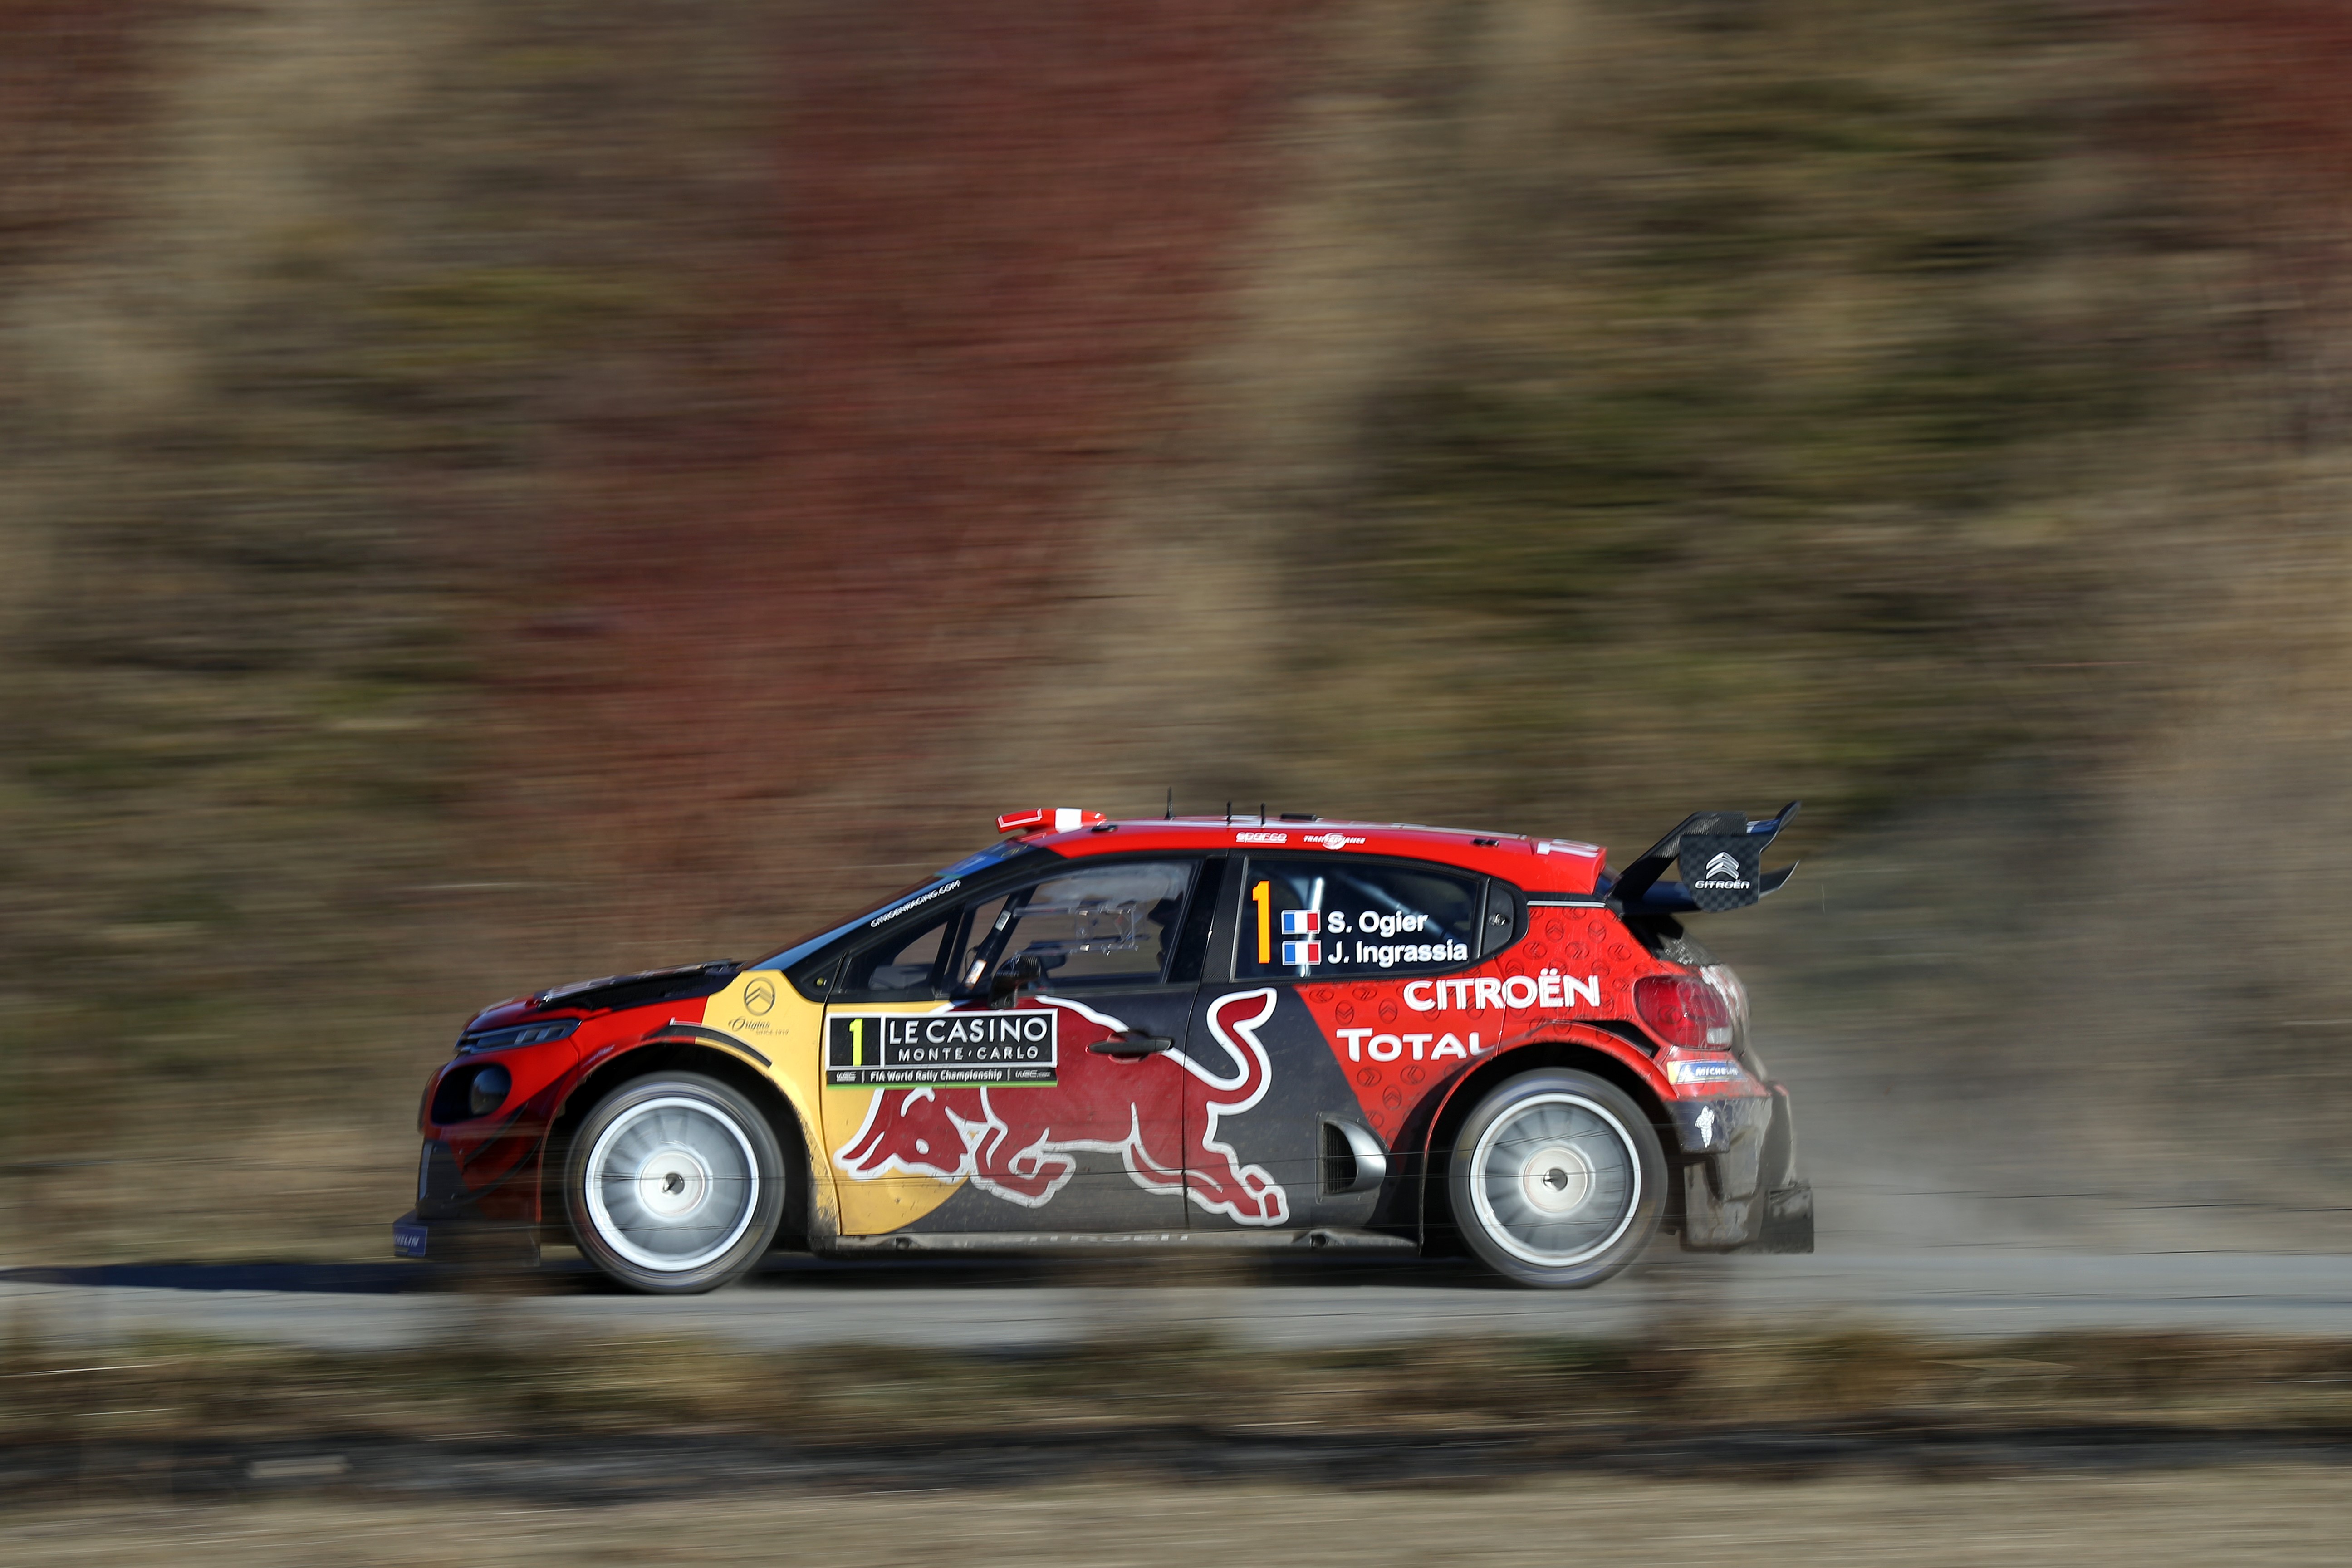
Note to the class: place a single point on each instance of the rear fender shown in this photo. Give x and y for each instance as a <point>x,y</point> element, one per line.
<point>1576,1047</point>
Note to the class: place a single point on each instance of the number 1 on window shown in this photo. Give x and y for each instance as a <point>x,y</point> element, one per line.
<point>1262,896</point>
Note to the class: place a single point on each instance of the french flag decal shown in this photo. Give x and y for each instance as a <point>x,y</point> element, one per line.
<point>1301,922</point>
<point>1295,954</point>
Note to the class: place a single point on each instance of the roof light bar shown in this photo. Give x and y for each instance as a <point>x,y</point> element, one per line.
<point>1048,818</point>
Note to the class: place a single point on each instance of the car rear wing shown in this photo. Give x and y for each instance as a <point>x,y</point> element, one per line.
<point>1721,853</point>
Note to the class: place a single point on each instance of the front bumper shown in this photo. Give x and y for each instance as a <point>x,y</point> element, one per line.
<point>454,1223</point>
<point>472,1242</point>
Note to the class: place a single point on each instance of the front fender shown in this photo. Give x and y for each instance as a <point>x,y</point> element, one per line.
<point>682,1042</point>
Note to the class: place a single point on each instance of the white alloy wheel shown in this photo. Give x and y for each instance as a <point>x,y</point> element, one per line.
<point>675,1184</point>
<point>1558,1179</point>
<point>1555,1179</point>
<point>672,1183</point>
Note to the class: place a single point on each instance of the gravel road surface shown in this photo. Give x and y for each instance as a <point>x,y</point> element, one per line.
<point>797,1302</point>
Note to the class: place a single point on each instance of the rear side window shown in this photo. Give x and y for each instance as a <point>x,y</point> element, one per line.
<point>1308,917</point>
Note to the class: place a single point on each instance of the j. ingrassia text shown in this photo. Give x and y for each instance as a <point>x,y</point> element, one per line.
<point>1385,956</point>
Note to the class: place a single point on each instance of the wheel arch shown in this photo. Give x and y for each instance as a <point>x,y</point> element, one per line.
<point>1594,1051</point>
<point>680,1055</point>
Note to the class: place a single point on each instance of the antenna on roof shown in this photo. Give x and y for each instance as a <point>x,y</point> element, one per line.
<point>1261,814</point>
<point>1229,814</point>
<point>1169,814</point>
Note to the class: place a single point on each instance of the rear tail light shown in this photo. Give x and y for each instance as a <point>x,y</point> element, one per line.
<point>1683,1010</point>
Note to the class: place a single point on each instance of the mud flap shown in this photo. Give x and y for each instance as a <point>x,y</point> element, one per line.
<point>1738,1169</point>
<point>1724,1182</point>
<point>1788,1220</point>
<point>1712,1224</point>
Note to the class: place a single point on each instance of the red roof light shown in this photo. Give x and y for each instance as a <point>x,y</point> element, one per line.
<point>1048,818</point>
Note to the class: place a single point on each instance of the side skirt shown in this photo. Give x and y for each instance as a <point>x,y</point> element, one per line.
<point>1333,1237</point>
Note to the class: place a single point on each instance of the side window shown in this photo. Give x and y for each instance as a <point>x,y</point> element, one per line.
<point>1318,918</point>
<point>903,967</point>
<point>1094,926</point>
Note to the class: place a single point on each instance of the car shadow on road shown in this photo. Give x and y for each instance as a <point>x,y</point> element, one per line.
<point>320,1278</point>
<point>1113,1271</point>
<point>563,1274</point>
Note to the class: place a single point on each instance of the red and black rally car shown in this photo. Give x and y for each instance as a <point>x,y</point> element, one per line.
<point>1175,1033</point>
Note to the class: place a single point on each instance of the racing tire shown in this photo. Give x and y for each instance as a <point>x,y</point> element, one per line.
<point>1557,1180</point>
<point>674,1184</point>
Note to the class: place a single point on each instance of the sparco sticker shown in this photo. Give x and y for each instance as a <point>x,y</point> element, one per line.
<point>906,1049</point>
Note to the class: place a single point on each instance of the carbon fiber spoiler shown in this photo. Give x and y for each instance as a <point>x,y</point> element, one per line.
<point>1721,852</point>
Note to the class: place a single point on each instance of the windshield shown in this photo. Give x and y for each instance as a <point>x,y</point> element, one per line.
<point>919,895</point>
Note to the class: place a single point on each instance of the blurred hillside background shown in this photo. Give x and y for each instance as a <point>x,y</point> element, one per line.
<point>493,493</point>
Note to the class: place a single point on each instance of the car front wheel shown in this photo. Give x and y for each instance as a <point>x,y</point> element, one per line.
<point>1558,1180</point>
<point>674,1184</point>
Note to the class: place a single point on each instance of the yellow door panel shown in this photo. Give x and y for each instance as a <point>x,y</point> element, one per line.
<point>876,1206</point>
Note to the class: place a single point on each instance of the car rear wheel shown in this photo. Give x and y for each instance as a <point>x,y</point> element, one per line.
<point>1558,1180</point>
<point>674,1184</point>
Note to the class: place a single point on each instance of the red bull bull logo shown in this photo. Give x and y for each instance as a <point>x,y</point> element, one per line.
<point>1017,1143</point>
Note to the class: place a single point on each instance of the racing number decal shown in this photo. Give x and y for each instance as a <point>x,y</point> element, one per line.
<point>1262,896</point>
<point>1018,1046</point>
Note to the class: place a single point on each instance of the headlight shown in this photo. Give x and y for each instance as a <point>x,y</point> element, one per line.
<point>521,1035</point>
<point>489,1090</point>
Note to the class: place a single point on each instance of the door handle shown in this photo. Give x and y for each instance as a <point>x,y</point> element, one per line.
<point>1134,1043</point>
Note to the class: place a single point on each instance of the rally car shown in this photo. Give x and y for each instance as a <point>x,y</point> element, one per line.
<point>1178,1033</point>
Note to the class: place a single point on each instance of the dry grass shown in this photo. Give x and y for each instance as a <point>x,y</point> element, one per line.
<point>2260,1518</point>
<point>1530,1390</point>
<point>155,1419</point>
